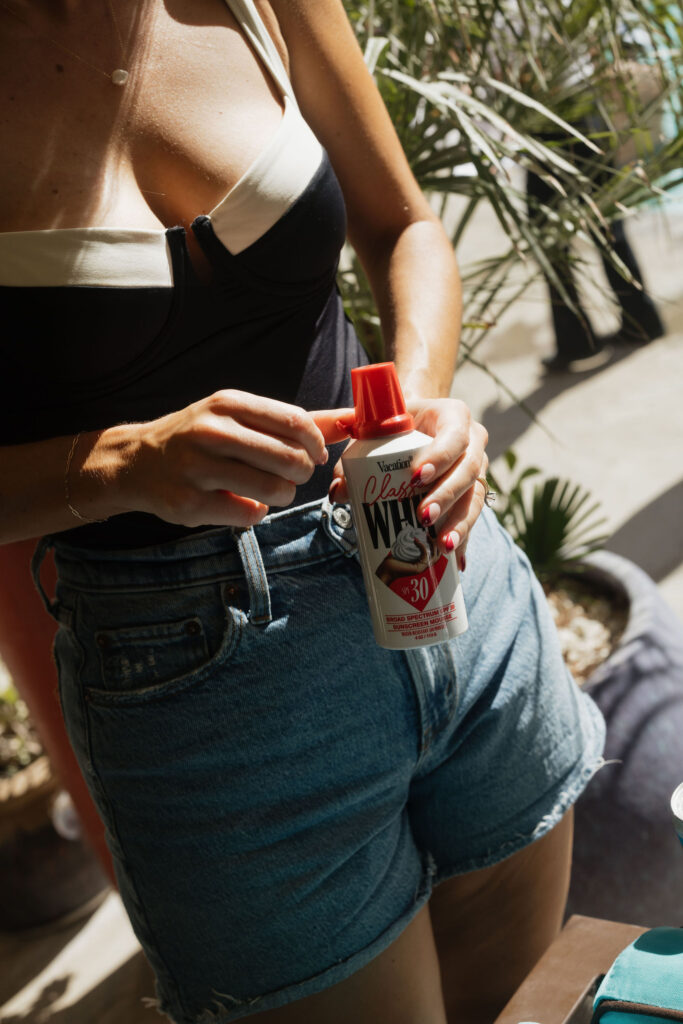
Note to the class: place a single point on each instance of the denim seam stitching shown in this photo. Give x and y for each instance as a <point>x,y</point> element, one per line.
<point>126,588</point>
<point>113,827</point>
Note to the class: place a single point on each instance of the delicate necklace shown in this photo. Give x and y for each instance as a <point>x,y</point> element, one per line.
<point>118,76</point>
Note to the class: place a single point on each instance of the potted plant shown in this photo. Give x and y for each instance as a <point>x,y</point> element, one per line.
<point>47,872</point>
<point>624,646</point>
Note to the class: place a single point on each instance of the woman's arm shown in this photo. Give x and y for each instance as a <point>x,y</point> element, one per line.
<point>194,467</point>
<point>399,240</point>
<point>34,486</point>
<point>403,248</point>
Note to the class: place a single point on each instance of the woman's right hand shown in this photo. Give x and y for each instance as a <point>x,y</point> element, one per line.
<point>222,460</point>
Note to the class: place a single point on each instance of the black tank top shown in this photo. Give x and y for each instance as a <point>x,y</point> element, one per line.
<point>270,321</point>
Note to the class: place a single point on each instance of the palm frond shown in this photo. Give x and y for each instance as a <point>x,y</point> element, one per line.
<point>477,87</point>
<point>556,523</point>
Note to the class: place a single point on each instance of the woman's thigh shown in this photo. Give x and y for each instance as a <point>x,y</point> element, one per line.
<point>400,986</point>
<point>464,955</point>
<point>491,926</point>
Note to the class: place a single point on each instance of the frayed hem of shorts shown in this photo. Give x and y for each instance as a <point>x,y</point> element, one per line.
<point>227,1008</point>
<point>545,824</point>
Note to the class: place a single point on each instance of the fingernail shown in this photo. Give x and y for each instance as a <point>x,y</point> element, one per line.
<point>431,513</point>
<point>452,540</point>
<point>424,475</point>
<point>323,459</point>
<point>463,563</point>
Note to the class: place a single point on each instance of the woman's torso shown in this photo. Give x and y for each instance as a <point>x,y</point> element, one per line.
<point>197,109</point>
<point>193,229</point>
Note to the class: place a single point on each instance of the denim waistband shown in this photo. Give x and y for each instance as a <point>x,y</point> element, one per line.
<point>284,540</point>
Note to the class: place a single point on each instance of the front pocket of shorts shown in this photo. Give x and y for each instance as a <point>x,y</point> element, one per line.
<point>140,659</point>
<point>141,647</point>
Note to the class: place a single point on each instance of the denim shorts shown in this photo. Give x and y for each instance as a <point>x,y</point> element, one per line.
<point>280,794</point>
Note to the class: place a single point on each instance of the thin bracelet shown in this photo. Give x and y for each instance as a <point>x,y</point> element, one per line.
<point>67,490</point>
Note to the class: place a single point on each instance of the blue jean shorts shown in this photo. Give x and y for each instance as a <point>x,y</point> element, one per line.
<point>280,794</point>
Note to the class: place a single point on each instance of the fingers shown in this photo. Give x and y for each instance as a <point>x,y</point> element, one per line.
<point>455,529</point>
<point>333,423</point>
<point>456,480</point>
<point>289,423</point>
<point>212,508</point>
<point>281,439</point>
<point>338,490</point>
<point>241,478</point>
<point>449,422</point>
<point>223,508</point>
<point>450,467</point>
<point>224,459</point>
<point>267,453</point>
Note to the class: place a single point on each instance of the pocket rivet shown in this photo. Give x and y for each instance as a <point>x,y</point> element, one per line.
<point>192,627</point>
<point>103,640</point>
<point>231,591</point>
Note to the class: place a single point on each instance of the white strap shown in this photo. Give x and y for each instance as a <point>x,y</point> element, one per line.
<point>272,184</point>
<point>256,32</point>
<point>92,257</point>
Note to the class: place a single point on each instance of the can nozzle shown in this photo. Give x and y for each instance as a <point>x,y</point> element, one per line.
<point>380,409</point>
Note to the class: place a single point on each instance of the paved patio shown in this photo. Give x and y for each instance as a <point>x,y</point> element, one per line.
<point>618,431</point>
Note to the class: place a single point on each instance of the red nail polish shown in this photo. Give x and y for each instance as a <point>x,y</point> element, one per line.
<point>415,479</point>
<point>463,563</point>
<point>431,513</point>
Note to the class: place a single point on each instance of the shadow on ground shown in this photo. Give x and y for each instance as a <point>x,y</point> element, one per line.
<point>25,954</point>
<point>505,426</point>
<point>652,538</point>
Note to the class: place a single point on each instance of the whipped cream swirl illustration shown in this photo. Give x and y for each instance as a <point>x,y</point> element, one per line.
<point>405,546</point>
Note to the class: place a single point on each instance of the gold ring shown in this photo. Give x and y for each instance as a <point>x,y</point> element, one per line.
<point>489,495</point>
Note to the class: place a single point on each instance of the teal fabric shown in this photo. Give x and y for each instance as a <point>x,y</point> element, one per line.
<point>629,1018</point>
<point>648,971</point>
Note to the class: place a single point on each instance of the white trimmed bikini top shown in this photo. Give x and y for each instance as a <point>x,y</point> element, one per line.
<point>140,258</point>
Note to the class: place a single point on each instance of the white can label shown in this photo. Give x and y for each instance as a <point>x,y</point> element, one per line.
<point>413,589</point>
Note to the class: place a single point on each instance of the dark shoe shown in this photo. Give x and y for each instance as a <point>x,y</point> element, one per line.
<point>633,336</point>
<point>561,364</point>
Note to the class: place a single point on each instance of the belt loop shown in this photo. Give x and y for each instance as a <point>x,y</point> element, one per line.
<point>52,605</point>
<point>254,570</point>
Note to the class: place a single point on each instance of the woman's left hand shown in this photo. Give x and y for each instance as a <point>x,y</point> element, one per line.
<point>452,470</point>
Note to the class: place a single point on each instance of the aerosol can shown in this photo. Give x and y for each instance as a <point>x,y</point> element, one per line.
<point>414,591</point>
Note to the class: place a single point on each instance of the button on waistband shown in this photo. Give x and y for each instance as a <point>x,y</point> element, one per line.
<point>342,517</point>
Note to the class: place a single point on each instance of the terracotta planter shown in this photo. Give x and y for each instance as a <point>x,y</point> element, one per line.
<point>43,876</point>
<point>26,636</point>
<point>25,799</point>
<point>627,859</point>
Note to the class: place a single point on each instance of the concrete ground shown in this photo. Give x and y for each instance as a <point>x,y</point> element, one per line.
<point>618,431</point>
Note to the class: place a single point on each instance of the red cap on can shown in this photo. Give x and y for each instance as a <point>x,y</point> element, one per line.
<point>380,408</point>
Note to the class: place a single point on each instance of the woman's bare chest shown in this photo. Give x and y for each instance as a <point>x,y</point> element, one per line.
<point>197,109</point>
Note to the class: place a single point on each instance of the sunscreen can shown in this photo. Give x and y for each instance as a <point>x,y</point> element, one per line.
<point>414,591</point>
